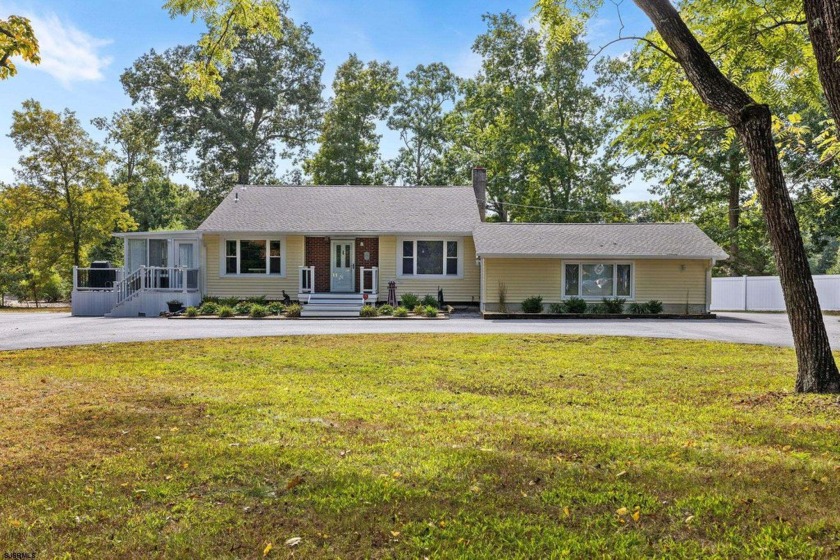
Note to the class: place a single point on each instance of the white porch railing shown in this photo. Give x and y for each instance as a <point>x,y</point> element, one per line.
<point>373,274</point>
<point>306,279</point>
<point>157,278</point>
<point>96,279</point>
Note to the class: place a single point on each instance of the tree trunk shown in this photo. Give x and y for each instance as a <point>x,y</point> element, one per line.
<point>823,18</point>
<point>817,371</point>
<point>733,176</point>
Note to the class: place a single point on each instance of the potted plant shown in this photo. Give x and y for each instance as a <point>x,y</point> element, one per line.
<point>174,305</point>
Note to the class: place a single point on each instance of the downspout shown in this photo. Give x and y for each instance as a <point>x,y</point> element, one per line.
<point>481,287</point>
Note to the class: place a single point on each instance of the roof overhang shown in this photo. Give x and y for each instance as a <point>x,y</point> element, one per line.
<point>343,233</point>
<point>597,257</point>
<point>163,234</point>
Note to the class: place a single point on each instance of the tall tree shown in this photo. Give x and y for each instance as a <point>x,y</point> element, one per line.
<point>418,115</point>
<point>539,128</point>
<point>228,22</point>
<point>817,370</point>
<point>823,18</point>
<point>269,106</point>
<point>348,149</point>
<point>63,192</point>
<point>16,39</point>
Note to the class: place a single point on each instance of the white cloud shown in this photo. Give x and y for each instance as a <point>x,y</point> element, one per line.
<point>67,53</point>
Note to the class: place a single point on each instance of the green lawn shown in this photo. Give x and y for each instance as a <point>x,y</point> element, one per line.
<point>411,446</point>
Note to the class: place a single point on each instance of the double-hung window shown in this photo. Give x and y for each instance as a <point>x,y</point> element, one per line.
<point>253,256</point>
<point>433,257</point>
<point>597,279</point>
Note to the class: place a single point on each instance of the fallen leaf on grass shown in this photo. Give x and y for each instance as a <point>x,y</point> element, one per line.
<point>621,511</point>
<point>294,482</point>
<point>395,533</point>
<point>267,549</point>
<point>294,541</point>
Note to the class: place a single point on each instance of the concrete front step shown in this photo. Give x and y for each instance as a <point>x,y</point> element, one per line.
<point>332,305</point>
<point>321,313</point>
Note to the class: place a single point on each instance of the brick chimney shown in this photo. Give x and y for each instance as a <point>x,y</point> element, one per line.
<point>479,181</point>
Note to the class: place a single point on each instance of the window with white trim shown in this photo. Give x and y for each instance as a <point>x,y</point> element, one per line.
<point>429,257</point>
<point>253,256</point>
<point>597,279</point>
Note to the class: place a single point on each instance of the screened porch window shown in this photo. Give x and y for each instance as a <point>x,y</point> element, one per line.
<point>597,280</point>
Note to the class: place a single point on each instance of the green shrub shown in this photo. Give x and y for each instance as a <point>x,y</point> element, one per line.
<point>293,310</point>
<point>614,305</point>
<point>400,312</point>
<point>258,310</point>
<point>276,308</point>
<point>596,309</point>
<point>228,301</point>
<point>430,311</point>
<point>409,301</point>
<point>208,308</point>
<point>242,308</point>
<point>429,301</point>
<point>556,308</point>
<point>574,305</point>
<point>418,309</point>
<point>191,311</point>
<point>259,300</point>
<point>638,308</point>
<point>369,311</point>
<point>532,304</point>
<point>654,306</point>
<point>210,299</point>
<point>386,309</point>
<point>226,311</point>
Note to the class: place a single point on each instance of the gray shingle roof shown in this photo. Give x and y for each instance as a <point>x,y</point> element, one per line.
<point>684,240</point>
<point>346,209</point>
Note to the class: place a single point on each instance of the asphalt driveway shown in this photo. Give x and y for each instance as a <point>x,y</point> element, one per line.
<point>35,330</point>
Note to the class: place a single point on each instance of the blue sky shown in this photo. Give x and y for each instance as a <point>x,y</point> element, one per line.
<point>86,45</point>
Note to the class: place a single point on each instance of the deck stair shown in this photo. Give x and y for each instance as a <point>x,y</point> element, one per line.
<point>332,305</point>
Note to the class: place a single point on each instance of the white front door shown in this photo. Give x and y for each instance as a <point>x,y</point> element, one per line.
<point>186,254</point>
<point>342,267</point>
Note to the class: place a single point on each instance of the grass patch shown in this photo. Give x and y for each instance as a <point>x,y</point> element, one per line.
<point>416,445</point>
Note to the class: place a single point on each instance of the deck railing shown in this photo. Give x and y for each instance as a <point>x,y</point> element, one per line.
<point>306,279</point>
<point>371,274</point>
<point>96,279</point>
<point>157,278</point>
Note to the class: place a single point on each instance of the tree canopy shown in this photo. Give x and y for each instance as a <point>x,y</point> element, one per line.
<point>16,39</point>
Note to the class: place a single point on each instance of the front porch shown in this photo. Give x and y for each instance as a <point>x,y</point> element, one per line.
<point>341,265</point>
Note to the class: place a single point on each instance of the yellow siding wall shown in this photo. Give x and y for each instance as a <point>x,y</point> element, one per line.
<point>522,278</point>
<point>462,290</point>
<point>667,282</point>
<point>664,280</point>
<point>247,286</point>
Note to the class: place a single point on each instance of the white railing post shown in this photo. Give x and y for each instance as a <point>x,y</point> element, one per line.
<point>75,278</point>
<point>142,277</point>
<point>311,279</point>
<point>362,280</point>
<point>374,286</point>
<point>184,279</point>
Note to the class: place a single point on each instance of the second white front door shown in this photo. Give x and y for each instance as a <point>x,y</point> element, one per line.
<point>342,269</point>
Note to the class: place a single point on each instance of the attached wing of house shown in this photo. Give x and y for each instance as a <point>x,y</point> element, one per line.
<point>335,247</point>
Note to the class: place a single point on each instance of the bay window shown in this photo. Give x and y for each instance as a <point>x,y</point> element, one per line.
<point>433,257</point>
<point>597,279</point>
<point>253,256</point>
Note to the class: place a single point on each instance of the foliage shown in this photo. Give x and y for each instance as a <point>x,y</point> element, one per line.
<point>259,300</point>
<point>258,311</point>
<point>293,310</point>
<point>503,297</point>
<point>429,301</point>
<point>400,312</point>
<point>636,308</point>
<point>572,429</point>
<point>242,308</point>
<point>533,304</point>
<point>191,312</point>
<point>228,23</point>
<point>430,311</point>
<point>348,144</point>
<point>174,302</point>
<point>276,308</point>
<point>226,311</point>
<point>574,305</point>
<point>532,120</point>
<point>369,311</point>
<point>268,108</point>
<point>16,39</point>
<point>228,301</point>
<point>614,305</point>
<point>208,308</point>
<point>409,300</point>
<point>654,306</point>
<point>418,309</point>
<point>556,308</point>
<point>596,308</point>
<point>386,309</point>
<point>63,202</point>
<point>419,116</point>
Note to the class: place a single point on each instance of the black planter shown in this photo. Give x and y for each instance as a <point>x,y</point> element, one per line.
<point>174,307</point>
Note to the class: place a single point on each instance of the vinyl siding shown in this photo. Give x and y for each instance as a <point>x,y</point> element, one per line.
<point>664,280</point>
<point>462,290</point>
<point>247,286</point>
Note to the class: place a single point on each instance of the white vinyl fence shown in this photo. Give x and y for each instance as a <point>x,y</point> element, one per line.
<point>764,293</point>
